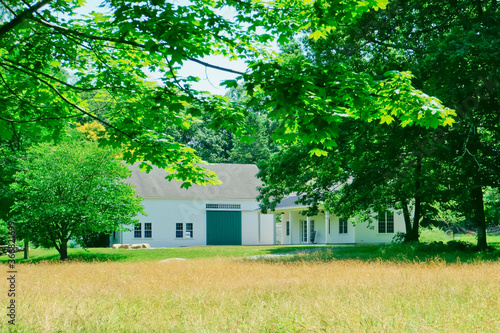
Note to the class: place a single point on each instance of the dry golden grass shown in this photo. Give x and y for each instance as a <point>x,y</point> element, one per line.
<point>217,295</point>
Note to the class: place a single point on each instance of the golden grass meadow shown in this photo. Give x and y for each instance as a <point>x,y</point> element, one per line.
<point>231,295</point>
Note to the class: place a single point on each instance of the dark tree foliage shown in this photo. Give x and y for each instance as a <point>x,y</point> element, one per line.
<point>452,49</point>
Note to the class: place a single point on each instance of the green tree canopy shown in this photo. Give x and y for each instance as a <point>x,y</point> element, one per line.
<point>53,60</point>
<point>451,47</point>
<point>65,191</point>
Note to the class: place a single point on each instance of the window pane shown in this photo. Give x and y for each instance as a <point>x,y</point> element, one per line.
<point>137,231</point>
<point>179,230</point>
<point>343,225</point>
<point>288,228</point>
<point>381,222</point>
<point>189,230</point>
<point>303,229</point>
<point>148,232</point>
<point>390,222</point>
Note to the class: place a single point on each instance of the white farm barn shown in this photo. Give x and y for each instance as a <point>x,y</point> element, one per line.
<point>225,214</point>
<point>228,214</point>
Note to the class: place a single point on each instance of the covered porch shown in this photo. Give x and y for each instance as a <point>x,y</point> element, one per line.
<point>323,228</point>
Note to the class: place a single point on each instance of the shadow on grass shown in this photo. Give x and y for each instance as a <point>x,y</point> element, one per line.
<point>293,248</point>
<point>453,252</point>
<point>79,257</point>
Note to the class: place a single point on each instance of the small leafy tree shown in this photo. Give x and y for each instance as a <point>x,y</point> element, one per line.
<point>448,213</point>
<point>68,190</point>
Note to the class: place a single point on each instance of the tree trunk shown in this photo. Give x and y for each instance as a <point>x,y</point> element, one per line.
<point>412,229</point>
<point>63,250</point>
<point>26,248</point>
<point>410,235</point>
<point>479,217</point>
<point>418,201</point>
<point>406,215</point>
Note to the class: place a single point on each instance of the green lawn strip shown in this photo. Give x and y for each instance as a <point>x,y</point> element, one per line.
<point>419,252</point>
<point>433,234</point>
<point>429,249</point>
<point>138,255</point>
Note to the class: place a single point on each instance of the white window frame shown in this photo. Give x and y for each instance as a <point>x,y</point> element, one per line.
<point>186,233</point>
<point>146,230</point>
<point>189,231</point>
<point>387,221</point>
<point>181,230</point>
<point>138,230</point>
<point>343,225</point>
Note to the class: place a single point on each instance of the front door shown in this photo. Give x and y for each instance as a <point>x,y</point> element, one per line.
<point>303,231</point>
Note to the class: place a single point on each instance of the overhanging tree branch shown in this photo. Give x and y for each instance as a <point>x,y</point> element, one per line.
<point>37,119</point>
<point>65,31</point>
<point>14,65</point>
<point>21,17</point>
<point>82,110</point>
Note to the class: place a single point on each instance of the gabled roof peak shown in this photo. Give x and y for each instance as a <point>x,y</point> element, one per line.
<point>239,181</point>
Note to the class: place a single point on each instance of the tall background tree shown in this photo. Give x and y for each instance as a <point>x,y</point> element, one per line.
<point>451,48</point>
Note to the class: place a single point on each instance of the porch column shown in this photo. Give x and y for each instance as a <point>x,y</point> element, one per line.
<point>308,230</point>
<point>274,229</point>
<point>290,218</point>
<point>259,227</point>
<point>283,230</point>
<point>327,225</point>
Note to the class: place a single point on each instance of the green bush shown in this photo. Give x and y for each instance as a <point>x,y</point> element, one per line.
<point>95,239</point>
<point>4,233</point>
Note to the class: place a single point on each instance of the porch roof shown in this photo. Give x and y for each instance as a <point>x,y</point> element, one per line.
<point>290,202</point>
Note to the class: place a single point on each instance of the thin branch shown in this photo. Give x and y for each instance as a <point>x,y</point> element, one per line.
<point>14,93</point>
<point>65,30</point>
<point>208,79</point>
<point>82,110</point>
<point>38,119</point>
<point>21,17</point>
<point>172,71</point>
<point>215,67</point>
<point>31,71</point>
<point>8,8</point>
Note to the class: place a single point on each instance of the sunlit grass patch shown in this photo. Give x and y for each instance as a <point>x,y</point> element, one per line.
<point>227,295</point>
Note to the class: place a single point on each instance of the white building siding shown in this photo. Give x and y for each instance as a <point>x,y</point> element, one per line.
<point>341,238</point>
<point>249,228</point>
<point>266,229</point>
<point>164,214</point>
<point>369,233</point>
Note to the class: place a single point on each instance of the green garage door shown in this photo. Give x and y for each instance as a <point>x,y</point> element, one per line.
<point>223,228</point>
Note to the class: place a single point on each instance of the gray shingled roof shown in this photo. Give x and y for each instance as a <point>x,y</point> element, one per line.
<point>239,181</point>
<point>289,202</point>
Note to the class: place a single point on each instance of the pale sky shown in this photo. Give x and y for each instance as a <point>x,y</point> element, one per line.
<point>210,79</point>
